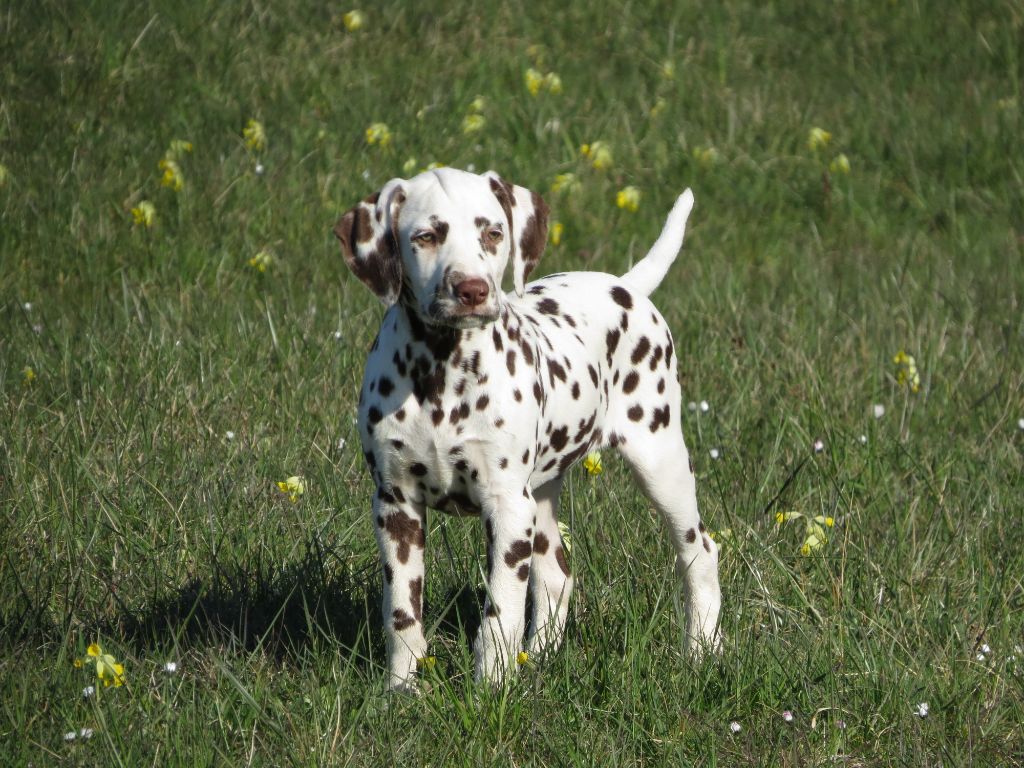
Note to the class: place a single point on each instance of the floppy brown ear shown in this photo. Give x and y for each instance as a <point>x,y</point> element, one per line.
<point>369,242</point>
<point>528,221</point>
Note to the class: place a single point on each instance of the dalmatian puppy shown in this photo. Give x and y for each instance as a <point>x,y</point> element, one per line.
<point>477,402</point>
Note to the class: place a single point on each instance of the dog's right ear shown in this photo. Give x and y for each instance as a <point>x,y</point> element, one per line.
<point>369,241</point>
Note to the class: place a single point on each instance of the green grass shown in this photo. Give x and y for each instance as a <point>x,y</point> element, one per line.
<point>131,519</point>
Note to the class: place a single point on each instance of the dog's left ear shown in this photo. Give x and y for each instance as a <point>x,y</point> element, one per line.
<point>368,237</point>
<point>527,215</point>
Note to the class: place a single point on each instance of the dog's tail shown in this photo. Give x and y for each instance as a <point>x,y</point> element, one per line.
<point>648,273</point>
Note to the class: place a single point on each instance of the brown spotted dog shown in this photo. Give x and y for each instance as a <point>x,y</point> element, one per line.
<point>477,402</point>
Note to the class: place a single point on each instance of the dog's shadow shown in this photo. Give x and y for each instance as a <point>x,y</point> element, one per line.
<point>283,609</point>
<point>280,609</point>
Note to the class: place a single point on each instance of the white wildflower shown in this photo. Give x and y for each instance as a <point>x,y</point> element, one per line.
<point>715,453</point>
<point>171,667</point>
<point>735,727</point>
<point>921,710</point>
<point>704,407</point>
<point>878,410</point>
<point>88,691</point>
<point>819,445</point>
<point>787,716</point>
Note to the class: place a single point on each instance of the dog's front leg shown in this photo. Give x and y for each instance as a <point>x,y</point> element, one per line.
<point>509,521</point>
<point>401,537</point>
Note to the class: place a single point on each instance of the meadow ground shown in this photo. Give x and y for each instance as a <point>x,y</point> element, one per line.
<point>162,370</point>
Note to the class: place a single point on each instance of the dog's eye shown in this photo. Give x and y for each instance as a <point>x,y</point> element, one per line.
<point>424,238</point>
<point>495,235</point>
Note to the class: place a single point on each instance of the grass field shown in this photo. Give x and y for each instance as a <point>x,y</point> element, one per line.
<point>156,384</point>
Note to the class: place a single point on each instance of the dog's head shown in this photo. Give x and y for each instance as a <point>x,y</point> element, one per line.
<point>440,242</point>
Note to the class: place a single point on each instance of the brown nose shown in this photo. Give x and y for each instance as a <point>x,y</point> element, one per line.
<point>472,292</point>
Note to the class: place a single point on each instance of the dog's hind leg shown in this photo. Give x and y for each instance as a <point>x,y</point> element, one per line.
<point>661,463</point>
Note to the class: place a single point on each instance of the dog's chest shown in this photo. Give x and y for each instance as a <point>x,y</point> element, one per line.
<point>483,411</point>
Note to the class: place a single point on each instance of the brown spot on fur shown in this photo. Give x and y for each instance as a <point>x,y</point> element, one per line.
<point>635,413</point>
<point>524,572</point>
<point>520,550</point>
<point>416,597</point>
<point>691,536</point>
<point>630,382</point>
<point>560,559</point>
<point>540,543</point>
<point>402,620</point>
<point>622,297</point>
<point>640,351</point>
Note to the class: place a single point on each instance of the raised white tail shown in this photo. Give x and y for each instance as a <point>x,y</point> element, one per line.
<point>647,274</point>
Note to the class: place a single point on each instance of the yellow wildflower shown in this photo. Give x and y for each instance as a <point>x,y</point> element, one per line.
<point>840,164</point>
<point>426,662</point>
<point>668,69</point>
<point>255,136</point>
<point>477,104</point>
<point>409,166</point>
<point>107,667</point>
<point>178,148</point>
<point>379,134</point>
<point>27,375</point>
<point>173,177</point>
<point>566,182</point>
<point>522,658</point>
<point>144,213</point>
<point>433,165</point>
<point>537,81</point>
<point>353,20</point>
<point>906,371</point>
<point>294,486</point>
<point>706,156</point>
<point>261,261</point>
<point>628,198</point>
<point>534,81</point>
<point>78,663</point>
<point>818,138</point>
<point>556,232</point>
<point>593,463</point>
<point>473,123</point>
<point>598,153</point>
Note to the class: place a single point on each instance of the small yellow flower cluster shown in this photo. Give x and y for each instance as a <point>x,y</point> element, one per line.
<point>354,20</point>
<point>172,176</point>
<point>668,69</point>
<point>379,134</point>
<point>144,214</point>
<point>107,667</point>
<point>628,199</point>
<point>261,261</point>
<point>816,532</point>
<point>474,120</point>
<point>426,662</point>
<point>593,463</point>
<point>537,81</point>
<point>556,232</point>
<point>705,156</point>
<point>255,136</point>
<point>906,371</point>
<point>27,375</point>
<point>819,138</point>
<point>522,658</point>
<point>598,153</point>
<point>565,182</point>
<point>294,486</point>
<point>840,164</point>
